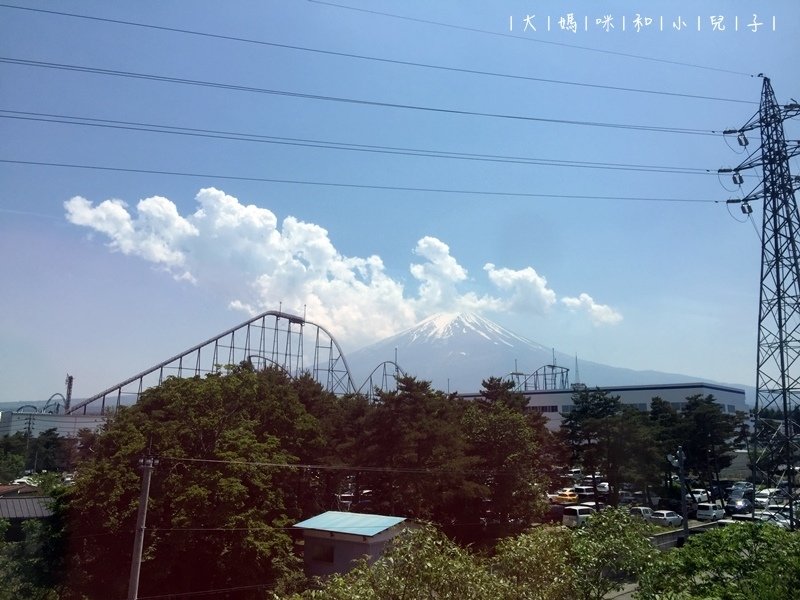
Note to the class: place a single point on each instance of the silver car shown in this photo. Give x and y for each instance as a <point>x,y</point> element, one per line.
<point>666,518</point>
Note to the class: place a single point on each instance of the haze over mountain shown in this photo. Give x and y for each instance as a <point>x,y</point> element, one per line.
<point>457,351</point>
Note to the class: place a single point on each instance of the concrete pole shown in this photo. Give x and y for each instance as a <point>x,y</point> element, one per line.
<point>683,494</point>
<point>147,464</point>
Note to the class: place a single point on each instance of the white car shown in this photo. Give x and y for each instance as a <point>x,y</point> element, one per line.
<point>700,495</point>
<point>643,512</point>
<point>666,518</point>
<point>767,496</point>
<point>575,516</point>
<point>706,511</point>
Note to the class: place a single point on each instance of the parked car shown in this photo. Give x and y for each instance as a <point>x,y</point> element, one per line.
<point>594,504</point>
<point>575,516</point>
<point>666,518</point>
<point>707,511</point>
<point>742,493</point>
<point>698,495</point>
<point>566,496</point>
<point>742,485</point>
<point>643,512</point>
<point>768,496</point>
<point>761,516</point>
<point>626,497</point>
<point>738,506</point>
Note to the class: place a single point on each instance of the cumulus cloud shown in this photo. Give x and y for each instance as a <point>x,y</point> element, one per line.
<point>158,234</point>
<point>528,291</point>
<point>600,314</point>
<point>258,262</point>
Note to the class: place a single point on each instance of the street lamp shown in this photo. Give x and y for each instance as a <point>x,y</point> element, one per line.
<point>677,461</point>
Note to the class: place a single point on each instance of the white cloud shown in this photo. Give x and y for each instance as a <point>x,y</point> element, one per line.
<point>259,263</point>
<point>600,314</point>
<point>438,276</point>
<point>528,290</point>
<point>158,235</point>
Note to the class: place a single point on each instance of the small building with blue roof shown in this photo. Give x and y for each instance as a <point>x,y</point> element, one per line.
<point>334,539</point>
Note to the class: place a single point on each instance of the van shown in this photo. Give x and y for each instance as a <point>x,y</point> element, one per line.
<point>575,516</point>
<point>709,511</point>
<point>642,512</point>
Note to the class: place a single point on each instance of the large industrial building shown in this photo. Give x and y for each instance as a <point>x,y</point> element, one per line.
<point>554,404</point>
<point>36,423</point>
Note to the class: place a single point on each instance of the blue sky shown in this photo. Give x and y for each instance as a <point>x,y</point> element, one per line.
<point>107,272</point>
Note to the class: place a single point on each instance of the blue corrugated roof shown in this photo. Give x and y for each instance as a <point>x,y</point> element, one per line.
<point>353,523</point>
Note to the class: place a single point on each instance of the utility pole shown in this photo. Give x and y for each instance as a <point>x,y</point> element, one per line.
<point>677,461</point>
<point>776,435</point>
<point>147,464</point>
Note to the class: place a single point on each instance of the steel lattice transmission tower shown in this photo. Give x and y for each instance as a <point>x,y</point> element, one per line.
<point>775,452</point>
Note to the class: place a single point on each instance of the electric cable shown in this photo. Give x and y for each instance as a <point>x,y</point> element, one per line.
<point>334,145</point>
<point>341,99</point>
<point>530,39</point>
<point>352,185</point>
<point>374,58</point>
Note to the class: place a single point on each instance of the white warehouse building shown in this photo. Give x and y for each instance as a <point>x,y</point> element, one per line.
<point>36,423</point>
<point>554,404</point>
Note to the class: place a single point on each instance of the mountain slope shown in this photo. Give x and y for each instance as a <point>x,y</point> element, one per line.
<point>457,351</point>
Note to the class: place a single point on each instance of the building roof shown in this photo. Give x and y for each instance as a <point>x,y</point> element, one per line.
<point>19,489</point>
<point>30,507</point>
<point>352,523</point>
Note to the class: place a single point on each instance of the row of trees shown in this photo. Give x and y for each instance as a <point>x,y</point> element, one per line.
<point>629,445</point>
<point>23,452</point>
<point>544,563</point>
<point>743,561</point>
<point>243,455</point>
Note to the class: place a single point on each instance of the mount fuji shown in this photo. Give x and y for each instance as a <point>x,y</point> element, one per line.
<point>455,352</point>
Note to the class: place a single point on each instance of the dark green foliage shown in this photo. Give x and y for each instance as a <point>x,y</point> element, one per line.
<point>546,563</point>
<point>504,448</point>
<point>738,562</point>
<point>46,452</point>
<point>218,508</point>
<point>708,433</point>
<point>413,435</point>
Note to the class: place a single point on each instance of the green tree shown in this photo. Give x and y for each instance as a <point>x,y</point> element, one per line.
<point>218,508</point>
<point>537,565</point>
<point>738,562</point>
<point>610,549</point>
<point>505,452</point>
<point>595,432</point>
<point>414,445</point>
<point>495,390</point>
<point>11,467</point>
<point>545,563</point>
<point>12,456</point>
<point>708,433</point>
<point>420,563</point>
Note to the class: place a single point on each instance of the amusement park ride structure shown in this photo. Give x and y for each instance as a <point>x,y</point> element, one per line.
<point>271,339</point>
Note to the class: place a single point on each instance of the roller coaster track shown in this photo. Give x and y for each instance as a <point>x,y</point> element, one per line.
<point>273,338</point>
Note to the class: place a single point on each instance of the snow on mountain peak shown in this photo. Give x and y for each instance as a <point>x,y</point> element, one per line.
<point>443,326</point>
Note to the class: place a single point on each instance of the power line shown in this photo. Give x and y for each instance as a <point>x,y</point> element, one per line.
<point>341,99</point>
<point>208,592</point>
<point>353,185</point>
<point>377,59</point>
<point>530,39</point>
<point>334,145</point>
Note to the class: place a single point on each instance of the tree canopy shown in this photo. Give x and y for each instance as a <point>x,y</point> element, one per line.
<point>737,562</point>
<point>544,563</point>
<point>219,498</point>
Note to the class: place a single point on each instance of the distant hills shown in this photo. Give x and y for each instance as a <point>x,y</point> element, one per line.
<point>457,351</point>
